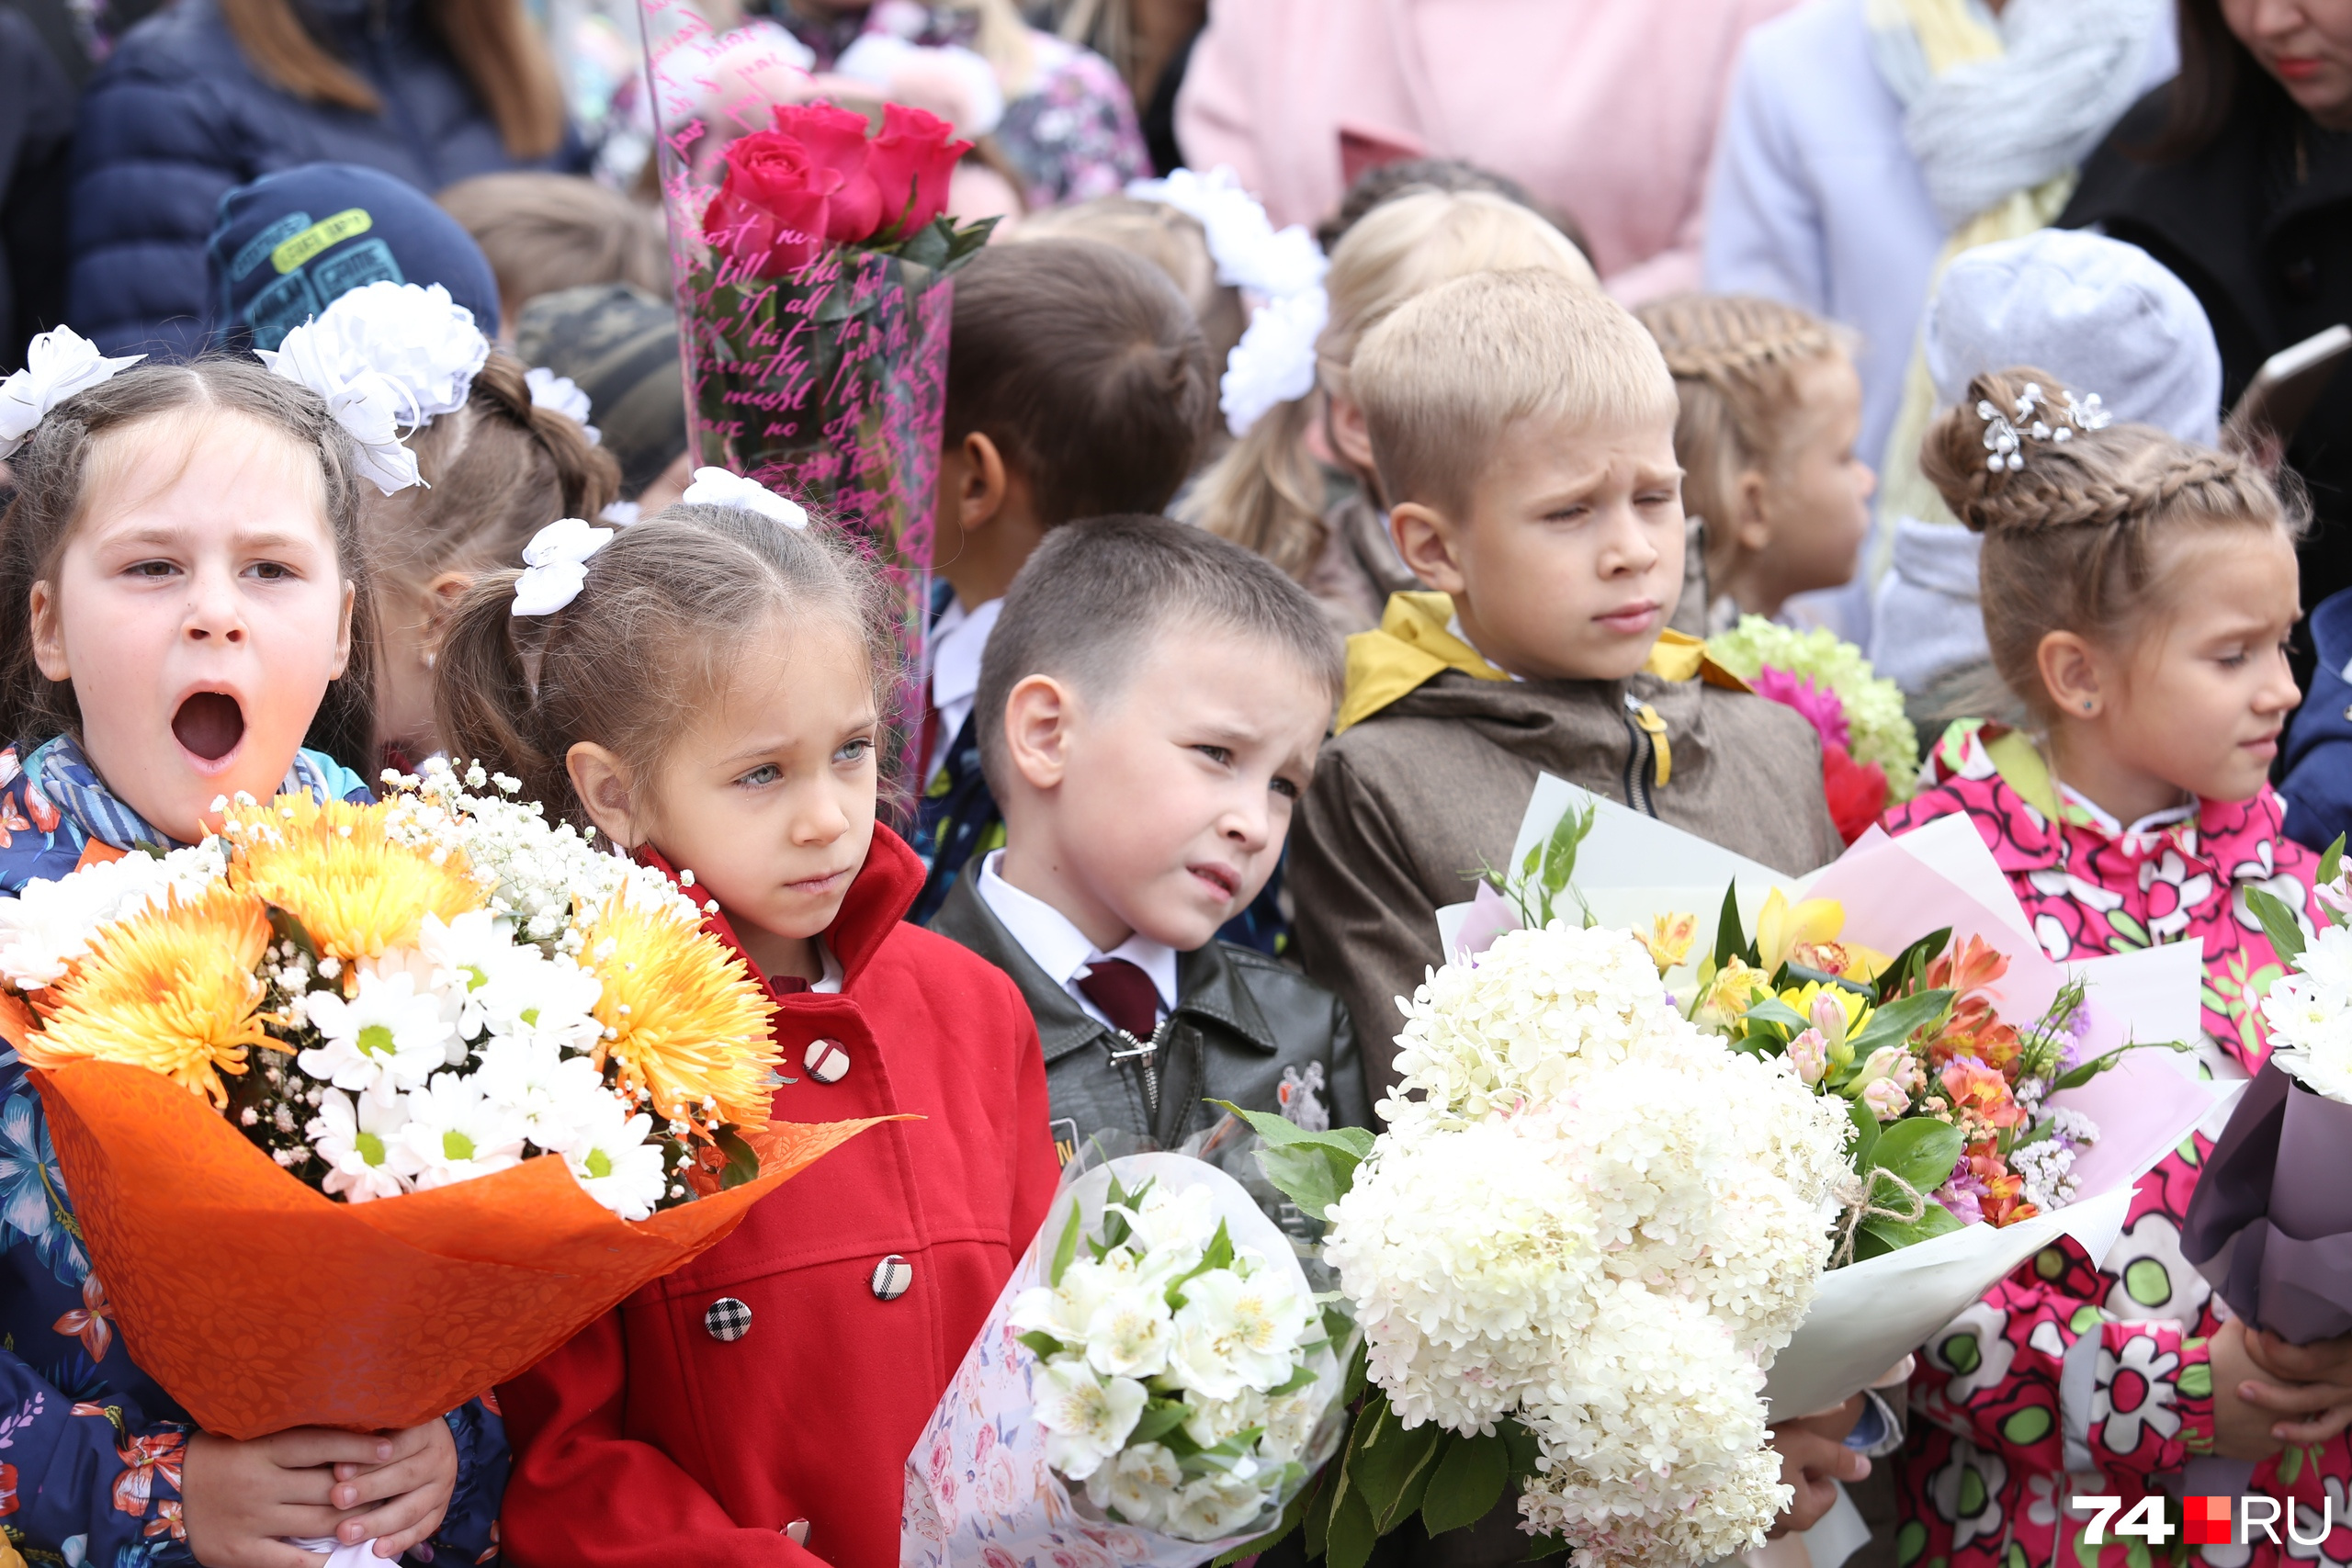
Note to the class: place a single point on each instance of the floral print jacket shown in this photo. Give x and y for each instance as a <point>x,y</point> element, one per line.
<point>91,1446</point>
<point>2068,1379</point>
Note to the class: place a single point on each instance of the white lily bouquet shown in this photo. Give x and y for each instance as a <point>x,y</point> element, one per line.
<point>1155,1385</point>
<point>1575,1252</point>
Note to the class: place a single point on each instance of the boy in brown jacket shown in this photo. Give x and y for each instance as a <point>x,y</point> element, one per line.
<point>1525,427</point>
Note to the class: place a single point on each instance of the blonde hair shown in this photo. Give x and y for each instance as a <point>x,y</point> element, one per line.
<point>2076,538</point>
<point>1734,359</point>
<point>1442,378</point>
<point>1266,492</point>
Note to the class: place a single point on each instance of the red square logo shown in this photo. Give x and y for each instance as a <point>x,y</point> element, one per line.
<point>2207,1521</point>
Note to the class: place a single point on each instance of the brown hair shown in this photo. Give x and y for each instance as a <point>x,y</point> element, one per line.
<point>496,470</point>
<point>52,472</point>
<point>495,43</point>
<point>665,609</point>
<point>1171,240</point>
<point>544,232</point>
<point>2215,68</point>
<point>1084,366</point>
<point>1734,359</point>
<point>2074,538</point>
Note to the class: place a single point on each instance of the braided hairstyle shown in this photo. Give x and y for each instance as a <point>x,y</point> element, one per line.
<point>2080,537</point>
<point>1734,359</point>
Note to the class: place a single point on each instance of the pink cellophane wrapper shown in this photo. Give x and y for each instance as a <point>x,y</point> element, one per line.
<point>828,385</point>
<point>979,1494</point>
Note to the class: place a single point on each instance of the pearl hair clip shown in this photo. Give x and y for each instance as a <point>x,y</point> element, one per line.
<point>2005,434</point>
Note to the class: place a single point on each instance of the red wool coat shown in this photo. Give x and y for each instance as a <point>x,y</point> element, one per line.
<point>650,1440</point>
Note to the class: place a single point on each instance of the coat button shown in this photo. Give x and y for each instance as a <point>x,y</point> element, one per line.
<point>891,1278</point>
<point>796,1532</point>
<point>826,1061</point>
<point>727,1319</point>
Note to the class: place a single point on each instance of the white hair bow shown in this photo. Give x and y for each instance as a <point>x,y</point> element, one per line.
<point>386,356</point>
<point>60,363</point>
<point>554,565</point>
<point>562,393</point>
<point>716,487</point>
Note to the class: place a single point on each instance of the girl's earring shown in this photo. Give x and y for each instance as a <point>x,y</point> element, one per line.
<point>2086,705</point>
<point>429,656</point>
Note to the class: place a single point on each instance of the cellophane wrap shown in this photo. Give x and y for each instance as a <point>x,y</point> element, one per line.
<point>829,385</point>
<point>2270,1222</point>
<point>979,1494</point>
<point>260,1304</point>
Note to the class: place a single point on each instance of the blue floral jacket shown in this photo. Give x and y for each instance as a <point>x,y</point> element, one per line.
<point>90,1446</point>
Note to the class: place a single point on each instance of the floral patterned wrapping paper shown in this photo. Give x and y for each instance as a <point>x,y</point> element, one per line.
<point>979,1494</point>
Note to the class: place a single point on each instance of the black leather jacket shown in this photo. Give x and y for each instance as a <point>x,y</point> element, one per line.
<point>1241,1021</point>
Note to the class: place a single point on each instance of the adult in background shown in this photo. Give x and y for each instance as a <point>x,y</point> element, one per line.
<point>2237,175</point>
<point>1869,141</point>
<point>1604,110</point>
<point>213,94</point>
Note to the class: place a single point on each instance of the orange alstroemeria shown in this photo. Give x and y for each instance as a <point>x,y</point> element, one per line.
<point>1980,1093</point>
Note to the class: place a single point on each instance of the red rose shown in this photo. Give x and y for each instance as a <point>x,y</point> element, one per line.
<point>910,163</point>
<point>835,138</point>
<point>1856,791</point>
<point>771,212</point>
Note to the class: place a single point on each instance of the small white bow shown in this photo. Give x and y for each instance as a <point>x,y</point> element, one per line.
<point>60,363</point>
<point>562,393</point>
<point>554,566</point>
<point>716,487</point>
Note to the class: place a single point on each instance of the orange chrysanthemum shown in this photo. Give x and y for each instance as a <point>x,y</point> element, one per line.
<point>686,1021</point>
<point>355,891</point>
<point>171,990</point>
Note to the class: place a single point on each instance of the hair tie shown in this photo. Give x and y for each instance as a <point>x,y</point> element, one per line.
<point>385,356</point>
<point>716,487</point>
<point>2007,433</point>
<point>562,393</point>
<point>553,565</point>
<point>60,363</point>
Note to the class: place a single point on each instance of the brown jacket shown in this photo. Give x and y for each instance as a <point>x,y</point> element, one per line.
<point>1409,803</point>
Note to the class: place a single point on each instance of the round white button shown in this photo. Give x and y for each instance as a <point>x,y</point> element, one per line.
<point>891,1278</point>
<point>826,1061</point>
<point>727,1319</point>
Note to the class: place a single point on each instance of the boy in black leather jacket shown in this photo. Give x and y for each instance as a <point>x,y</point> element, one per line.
<point>1151,704</point>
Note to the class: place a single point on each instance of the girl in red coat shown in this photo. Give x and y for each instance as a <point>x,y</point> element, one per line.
<point>703,689</point>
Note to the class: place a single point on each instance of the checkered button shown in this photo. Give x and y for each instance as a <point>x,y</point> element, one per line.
<point>826,1060</point>
<point>727,1319</point>
<point>891,1278</point>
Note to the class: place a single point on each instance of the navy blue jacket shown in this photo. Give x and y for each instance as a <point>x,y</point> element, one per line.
<point>177,117</point>
<point>2317,783</point>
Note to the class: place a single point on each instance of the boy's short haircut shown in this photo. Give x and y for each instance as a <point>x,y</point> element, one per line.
<point>1087,604</point>
<point>1084,366</point>
<point>1441,379</point>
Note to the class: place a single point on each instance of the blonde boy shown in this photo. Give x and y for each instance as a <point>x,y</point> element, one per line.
<point>1524,427</point>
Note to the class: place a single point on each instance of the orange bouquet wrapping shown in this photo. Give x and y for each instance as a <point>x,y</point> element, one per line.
<point>364,1108</point>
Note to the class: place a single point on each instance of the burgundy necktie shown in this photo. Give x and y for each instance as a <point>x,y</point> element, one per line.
<point>1124,993</point>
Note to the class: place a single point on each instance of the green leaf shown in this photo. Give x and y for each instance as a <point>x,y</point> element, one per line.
<point>1892,1235</point>
<point>1351,1386</point>
<point>1560,849</point>
<point>1469,1482</point>
<point>287,926</point>
<point>1779,1015</point>
<point>1159,1417</point>
<point>2081,1073</point>
<point>1300,1377</point>
<point>2331,862</point>
<point>1866,1133</point>
<point>1348,1538</point>
<point>1315,1521</point>
<point>1313,1179</point>
<point>1522,1445</point>
<point>1044,1344</point>
<point>1543,1546</point>
<point>1920,1149</point>
<point>1278,1129</point>
<point>1893,1023</point>
<point>1912,961</point>
<point>1389,1465</point>
<point>1064,1250</point>
<point>1731,941</point>
<point>741,1166</point>
<point>2279,923</point>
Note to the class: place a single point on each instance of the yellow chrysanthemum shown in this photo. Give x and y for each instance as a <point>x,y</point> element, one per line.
<point>687,1021</point>
<point>357,892</point>
<point>172,991</point>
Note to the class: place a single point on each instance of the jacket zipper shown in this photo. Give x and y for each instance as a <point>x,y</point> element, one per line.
<point>1145,1053</point>
<point>1640,761</point>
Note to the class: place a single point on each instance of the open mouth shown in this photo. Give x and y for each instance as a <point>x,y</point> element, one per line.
<point>210,724</point>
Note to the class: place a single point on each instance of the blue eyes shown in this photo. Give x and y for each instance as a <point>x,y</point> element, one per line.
<point>855,751</point>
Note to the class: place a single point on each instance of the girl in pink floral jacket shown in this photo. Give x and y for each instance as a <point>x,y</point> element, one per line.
<point>2137,594</point>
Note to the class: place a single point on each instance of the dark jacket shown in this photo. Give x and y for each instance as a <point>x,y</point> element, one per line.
<point>177,117</point>
<point>36,149</point>
<point>1241,1022</point>
<point>2259,226</point>
<point>2316,785</point>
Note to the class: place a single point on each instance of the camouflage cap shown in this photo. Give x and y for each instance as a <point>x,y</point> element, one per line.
<point>620,346</point>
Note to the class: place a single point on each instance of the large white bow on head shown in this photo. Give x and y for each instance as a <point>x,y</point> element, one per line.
<point>60,363</point>
<point>385,356</point>
<point>716,487</point>
<point>554,565</point>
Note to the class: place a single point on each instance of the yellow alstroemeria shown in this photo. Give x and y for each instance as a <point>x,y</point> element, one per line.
<point>1669,939</point>
<point>1782,926</point>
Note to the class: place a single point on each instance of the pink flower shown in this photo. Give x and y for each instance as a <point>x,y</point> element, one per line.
<point>1809,1055</point>
<point>1886,1099</point>
<point>1821,707</point>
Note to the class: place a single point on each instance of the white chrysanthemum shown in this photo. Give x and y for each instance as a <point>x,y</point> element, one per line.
<point>609,1153</point>
<point>386,1039</point>
<point>2310,1032</point>
<point>1140,1483</point>
<point>554,1098</point>
<point>457,1135</point>
<point>359,1141</point>
<point>47,928</point>
<point>542,1000</point>
<point>1086,1417</point>
<point>464,954</point>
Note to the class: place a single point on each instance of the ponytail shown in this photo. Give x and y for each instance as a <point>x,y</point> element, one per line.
<point>482,697</point>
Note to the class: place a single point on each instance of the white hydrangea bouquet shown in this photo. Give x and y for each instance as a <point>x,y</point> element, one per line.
<point>1575,1252</point>
<point>1157,1384</point>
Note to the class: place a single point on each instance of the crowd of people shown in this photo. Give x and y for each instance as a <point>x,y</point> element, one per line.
<point>1358,412</point>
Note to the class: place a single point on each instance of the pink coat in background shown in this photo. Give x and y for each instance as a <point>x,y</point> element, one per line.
<point>1604,108</point>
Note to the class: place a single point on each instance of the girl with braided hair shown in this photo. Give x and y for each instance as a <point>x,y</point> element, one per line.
<point>1772,408</point>
<point>2138,592</point>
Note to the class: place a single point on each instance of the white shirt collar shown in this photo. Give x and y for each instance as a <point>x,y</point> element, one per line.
<point>831,980</point>
<point>2153,822</point>
<point>1060,949</point>
<point>956,644</point>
